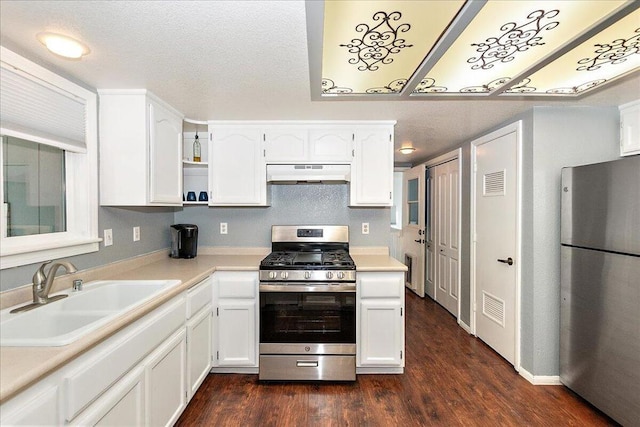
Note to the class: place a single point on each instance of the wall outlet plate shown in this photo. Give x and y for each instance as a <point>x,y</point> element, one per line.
<point>365,228</point>
<point>136,234</point>
<point>223,228</point>
<point>108,237</point>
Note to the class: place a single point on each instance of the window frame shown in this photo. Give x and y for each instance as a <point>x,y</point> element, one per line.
<point>81,176</point>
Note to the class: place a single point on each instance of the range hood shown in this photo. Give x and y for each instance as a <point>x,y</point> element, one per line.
<point>294,174</point>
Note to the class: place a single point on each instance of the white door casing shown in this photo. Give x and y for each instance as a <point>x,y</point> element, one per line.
<point>447,183</point>
<point>413,229</point>
<point>429,234</point>
<point>495,237</point>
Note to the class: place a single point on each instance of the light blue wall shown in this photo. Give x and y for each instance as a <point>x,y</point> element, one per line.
<point>313,204</point>
<point>154,230</point>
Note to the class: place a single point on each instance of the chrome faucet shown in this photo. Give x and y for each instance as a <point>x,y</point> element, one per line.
<point>42,283</point>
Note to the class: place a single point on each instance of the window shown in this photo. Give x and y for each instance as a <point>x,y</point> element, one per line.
<point>34,188</point>
<point>48,164</point>
<point>412,201</point>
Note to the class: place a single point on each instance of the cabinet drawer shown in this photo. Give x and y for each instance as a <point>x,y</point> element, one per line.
<point>234,286</point>
<point>95,376</point>
<point>198,296</point>
<point>381,285</point>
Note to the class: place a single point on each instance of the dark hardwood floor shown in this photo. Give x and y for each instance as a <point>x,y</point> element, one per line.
<point>451,378</point>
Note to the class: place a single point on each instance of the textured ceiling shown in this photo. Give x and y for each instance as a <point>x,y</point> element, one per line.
<point>234,60</point>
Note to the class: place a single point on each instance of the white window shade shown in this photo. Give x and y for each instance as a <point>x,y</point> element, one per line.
<point>33,109</point>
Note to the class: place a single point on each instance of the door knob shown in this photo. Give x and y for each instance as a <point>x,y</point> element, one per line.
<point>417,241</point>
<point>507,261</point>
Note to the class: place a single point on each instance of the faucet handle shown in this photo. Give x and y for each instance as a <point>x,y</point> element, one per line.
<point>39,277</point>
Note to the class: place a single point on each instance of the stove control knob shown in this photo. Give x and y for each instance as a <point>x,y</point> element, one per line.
<point>307,275</point>
<point>329,275</point>
<point>340,275</point>
<point>284,275</point>
<point>272,274</point>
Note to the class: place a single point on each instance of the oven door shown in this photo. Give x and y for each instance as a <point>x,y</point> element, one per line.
<point>299,318</point>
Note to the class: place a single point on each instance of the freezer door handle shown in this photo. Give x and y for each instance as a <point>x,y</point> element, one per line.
<point>507,261</point>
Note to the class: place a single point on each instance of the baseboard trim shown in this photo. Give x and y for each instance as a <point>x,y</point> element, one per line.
<point>540,379</point>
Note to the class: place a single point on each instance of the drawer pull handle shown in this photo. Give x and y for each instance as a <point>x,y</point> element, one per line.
<point>307,363</point>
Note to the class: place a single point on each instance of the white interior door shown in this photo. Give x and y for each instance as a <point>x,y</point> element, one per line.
<point>495,253</point>
<point>446,198</point>
<point>413,229</point>
<point>429,226</point>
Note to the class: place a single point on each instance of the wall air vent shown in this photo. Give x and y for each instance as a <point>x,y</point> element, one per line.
<point>493,308</point>
<point>494,183</point>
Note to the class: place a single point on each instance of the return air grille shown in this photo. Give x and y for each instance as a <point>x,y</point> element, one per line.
<point>493,308</point>
<point>494,183</point>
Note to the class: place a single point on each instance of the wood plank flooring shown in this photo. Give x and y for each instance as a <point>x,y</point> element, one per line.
<point>450,379</point>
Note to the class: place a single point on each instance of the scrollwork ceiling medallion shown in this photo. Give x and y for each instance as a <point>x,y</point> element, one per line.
<point>616,52</point>
<point>514,38</point>
<point>379,42</point>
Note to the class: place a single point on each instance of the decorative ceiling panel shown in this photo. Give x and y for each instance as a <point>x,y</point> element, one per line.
<point>508,37</point>
<point>373,47</point>
<point>474,48</point>
<point>613,52</point>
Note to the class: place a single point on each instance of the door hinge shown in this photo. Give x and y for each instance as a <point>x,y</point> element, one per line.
<point>390,196</point>
<point>210,136</point>
<point>218,311</point>
<point>389,137</point>
<point>353,136</point>
<point>217,355</point>
<point>400,354</point>
<point>264,136</point>
<point>400,311</point>
<point>353,153</point>
<point>264,153</point>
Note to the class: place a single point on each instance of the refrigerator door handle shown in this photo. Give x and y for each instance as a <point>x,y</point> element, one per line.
<point>507,261</point>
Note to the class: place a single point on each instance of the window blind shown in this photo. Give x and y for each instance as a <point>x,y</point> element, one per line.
<point>33,109</point>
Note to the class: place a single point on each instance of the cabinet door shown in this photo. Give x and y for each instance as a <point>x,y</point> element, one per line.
<point>199,334</point>
<point>372,168</point>
<point>41,409</point>
<point>285,145</point>
<point>237,173</point>
<point>166,395</point>
<point>381,333</point>
<point>236,333</point>
<point>630,129</point>
<point>122,405</point>
<point>165,150</point>
<point>331,145</point>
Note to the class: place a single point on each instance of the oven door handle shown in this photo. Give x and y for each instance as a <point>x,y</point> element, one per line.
<point>303,287</point>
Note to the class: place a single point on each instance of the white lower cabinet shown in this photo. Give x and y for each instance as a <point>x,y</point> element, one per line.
<point>235,299</point>
<point>143,375</point>
<point>199,347</point>
<point>380,322</point>
<point>166,395</point>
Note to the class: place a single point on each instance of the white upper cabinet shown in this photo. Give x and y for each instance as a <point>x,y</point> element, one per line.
<point>140,150</point>
<point>630,128</point>
<point>372,167</point>
<point>308,143</point>
<point>237,170</point>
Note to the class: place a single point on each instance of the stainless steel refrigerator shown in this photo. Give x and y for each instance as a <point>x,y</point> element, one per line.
<point>600,286</point>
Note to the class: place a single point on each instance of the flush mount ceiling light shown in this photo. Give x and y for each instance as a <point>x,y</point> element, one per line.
<point>64,46</point>
<point>481,48</point>
<point>407,150</point>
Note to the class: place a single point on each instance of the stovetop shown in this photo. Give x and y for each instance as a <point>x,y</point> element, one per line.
<point>308,260</point>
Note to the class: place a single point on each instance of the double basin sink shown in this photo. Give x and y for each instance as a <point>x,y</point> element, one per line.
<point>66,320</point>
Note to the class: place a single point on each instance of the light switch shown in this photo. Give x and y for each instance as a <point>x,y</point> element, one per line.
<point>365,228</point>
<point>136,234</point>
<point>223,228</point>
<point>108,237</point>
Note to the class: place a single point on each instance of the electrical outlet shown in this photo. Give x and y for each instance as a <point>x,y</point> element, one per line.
<point>136,234</point>
<point>365,228</point>
<point>223,228</point>
<point>108,237</point>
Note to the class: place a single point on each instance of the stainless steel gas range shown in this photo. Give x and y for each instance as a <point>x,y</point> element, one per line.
<point>308,305</point>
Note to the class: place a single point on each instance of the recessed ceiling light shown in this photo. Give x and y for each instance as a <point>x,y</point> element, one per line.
<point>62,45</point>
<point>407,150</point>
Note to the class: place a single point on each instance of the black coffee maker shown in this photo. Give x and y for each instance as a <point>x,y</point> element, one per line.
<point>184,241</point>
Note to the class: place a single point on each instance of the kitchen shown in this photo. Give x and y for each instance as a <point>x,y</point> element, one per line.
<point>277,95</point>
